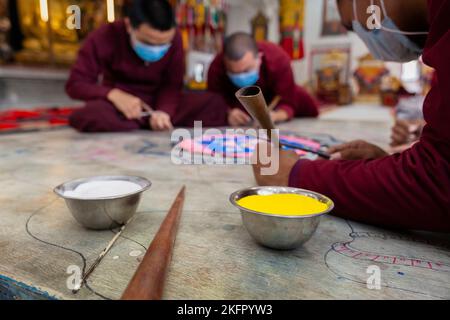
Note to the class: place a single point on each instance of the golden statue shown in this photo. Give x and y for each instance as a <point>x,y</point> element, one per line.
<point>53,41</point>
<point>5,26</point>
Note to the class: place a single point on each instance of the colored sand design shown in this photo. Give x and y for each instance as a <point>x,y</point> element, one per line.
<point>238,146</point>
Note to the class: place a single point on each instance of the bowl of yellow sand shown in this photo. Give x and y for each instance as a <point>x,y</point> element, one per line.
<point>279,217</point>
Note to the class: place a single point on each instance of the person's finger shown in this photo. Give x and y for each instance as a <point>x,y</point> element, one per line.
<point>169,125</point>
<point>244,120</point>
<point>414,129</point>
<point>241,121</point>
<point>160,124</point>
<point>137,113</point>
<point>398,139</point>
<point>155,123</point>
<point>232,118</point>
<point>337,148</point>
<point>246,117</point>
<point>400,136</point>
<point>402,124</point>
<point>128,113</point>
<point>401,130</point>
<point>336,156</point>
<point>166,124</point>
<point>348,154</point>
<point>137,110</point>
<point>131,110</point>
<point>152,123</point>
<point>238,121</point>
<point>273,117</point>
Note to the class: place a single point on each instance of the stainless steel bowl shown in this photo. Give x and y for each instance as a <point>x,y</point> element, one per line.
<point>103,213</point>
<point>277,231</point>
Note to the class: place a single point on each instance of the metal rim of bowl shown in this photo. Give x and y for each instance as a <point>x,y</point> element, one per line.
<point>234,202</point>
<point>147,184</point>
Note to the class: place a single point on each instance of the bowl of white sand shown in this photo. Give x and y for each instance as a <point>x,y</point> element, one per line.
<point>105,202</point>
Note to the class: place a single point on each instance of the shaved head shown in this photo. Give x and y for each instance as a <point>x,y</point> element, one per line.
<point>238,45</point>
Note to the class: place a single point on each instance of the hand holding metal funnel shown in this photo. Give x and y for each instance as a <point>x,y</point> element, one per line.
<point>253,101</point>
<point>255,104</point>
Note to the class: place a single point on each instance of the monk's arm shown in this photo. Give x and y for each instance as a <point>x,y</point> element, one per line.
<point>83,83</point>
<point>405,191</point>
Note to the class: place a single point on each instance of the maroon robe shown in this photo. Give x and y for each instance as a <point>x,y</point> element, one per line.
<point>107,60</point>
<point>409,190</point>
<point>276,78</point>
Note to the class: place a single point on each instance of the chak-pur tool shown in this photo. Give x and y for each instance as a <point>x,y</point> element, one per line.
<point>253,101</point>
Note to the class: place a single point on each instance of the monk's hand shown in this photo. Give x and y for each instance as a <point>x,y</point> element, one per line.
<point>129,105</point>
<point>160,121</point>
<point>279,116</point>
<point>356,150</point>
<point>237,117</point>
<point>280,176</point>
<point>405,132</point>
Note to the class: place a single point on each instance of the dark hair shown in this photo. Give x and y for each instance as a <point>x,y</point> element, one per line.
<point>156,13</point>
<point>238,44</point>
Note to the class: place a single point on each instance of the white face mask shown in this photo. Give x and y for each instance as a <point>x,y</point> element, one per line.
<point>387,43</point>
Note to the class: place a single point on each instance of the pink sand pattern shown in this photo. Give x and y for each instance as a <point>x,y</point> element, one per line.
<point>236,146</point>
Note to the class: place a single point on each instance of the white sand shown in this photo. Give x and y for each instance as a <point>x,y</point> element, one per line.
<point>103,189</point>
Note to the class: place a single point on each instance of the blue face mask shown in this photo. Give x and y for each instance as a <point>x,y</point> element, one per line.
<point>150,53</point>
<point>387,42</point>
<point>244,79</point>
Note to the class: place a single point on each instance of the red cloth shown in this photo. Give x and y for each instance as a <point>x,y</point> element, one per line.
<point>107,60</point>
<point>409,190</point>
<point>276,78</point>
<point>16,120</point>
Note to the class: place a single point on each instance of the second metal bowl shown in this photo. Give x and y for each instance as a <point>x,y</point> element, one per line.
<point>103,213</point>
<point>279,231</point>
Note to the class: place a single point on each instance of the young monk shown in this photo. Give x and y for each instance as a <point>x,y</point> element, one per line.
<point>130,66</point>
<point>409,190</point>
<point>244,63</point>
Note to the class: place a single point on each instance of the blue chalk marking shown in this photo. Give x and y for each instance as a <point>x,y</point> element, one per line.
<point>11,289</point>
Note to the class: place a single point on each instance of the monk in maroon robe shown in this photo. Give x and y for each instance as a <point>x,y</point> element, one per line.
<point>408,190</point>
<point>245,62</point>
<point>126,68</point>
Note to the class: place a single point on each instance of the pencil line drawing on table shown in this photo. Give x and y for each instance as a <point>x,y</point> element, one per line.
<point>397,261</point>
<point>214,257</point>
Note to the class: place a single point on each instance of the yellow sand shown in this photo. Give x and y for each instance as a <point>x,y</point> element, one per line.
<point>283,204</point>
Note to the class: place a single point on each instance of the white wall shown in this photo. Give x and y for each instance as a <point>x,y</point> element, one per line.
<point>241,12</point>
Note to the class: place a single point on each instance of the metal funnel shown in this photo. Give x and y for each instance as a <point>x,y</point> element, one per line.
<point>253,101</point>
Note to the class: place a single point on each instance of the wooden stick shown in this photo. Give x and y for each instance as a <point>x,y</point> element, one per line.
<point>99,259</point>
<point>274,103</point>
<point>298,146</point>
<point>295,146</point>
<point>149,279</point>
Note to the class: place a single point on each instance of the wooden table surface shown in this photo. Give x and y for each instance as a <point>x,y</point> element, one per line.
<point>214,257</point>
